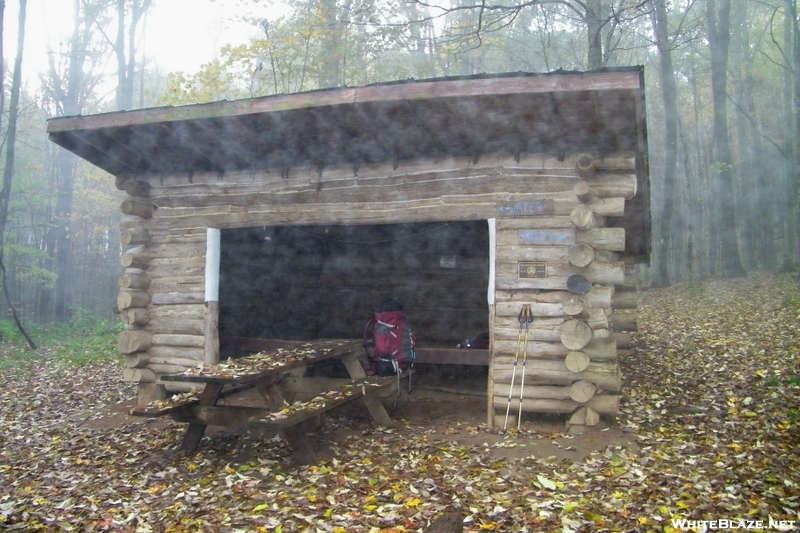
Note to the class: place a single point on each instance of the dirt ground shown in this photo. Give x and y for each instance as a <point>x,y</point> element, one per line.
<point>444,404</point>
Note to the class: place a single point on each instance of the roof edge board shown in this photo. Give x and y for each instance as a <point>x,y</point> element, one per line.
<point>522,83</point>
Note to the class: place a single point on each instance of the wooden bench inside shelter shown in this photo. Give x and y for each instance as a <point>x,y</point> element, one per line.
<point>269,372</point>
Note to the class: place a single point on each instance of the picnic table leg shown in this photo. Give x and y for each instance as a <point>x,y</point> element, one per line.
<point>374,405</point>
<point>297,437</point>
<point>270,393</point>
<point>195,431</point>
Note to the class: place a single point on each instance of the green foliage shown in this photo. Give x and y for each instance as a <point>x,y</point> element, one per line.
<point>85,339</point>
<point>25,262</point>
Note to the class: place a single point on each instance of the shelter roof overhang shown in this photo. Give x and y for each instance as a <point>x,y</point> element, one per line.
<point>599,112</point>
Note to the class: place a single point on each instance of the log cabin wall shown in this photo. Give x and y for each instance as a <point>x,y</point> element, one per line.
<point>571,271</point>
<point>545,213</point>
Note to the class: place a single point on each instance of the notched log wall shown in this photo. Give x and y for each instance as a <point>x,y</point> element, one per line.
<point>570,362</point>
<point>545,213</point>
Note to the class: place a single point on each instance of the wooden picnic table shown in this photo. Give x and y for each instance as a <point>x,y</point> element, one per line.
<point>266,370</point>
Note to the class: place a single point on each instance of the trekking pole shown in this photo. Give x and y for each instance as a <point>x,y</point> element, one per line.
<point>528,319</point>
<point>521,319</point>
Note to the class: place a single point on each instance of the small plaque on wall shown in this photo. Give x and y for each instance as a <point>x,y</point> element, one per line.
<point>526,208</point>
<point>532,270</point>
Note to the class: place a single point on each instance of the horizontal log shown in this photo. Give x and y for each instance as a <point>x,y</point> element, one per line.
<point>195,311</point>
<point>135,258</point>
<point>598,334</point>
<point>580,255</point>
<point>575,334</point>
<point>194,283</point>
<point>139,375</point>
<point>603,404</point>
<point>605,207</point>
<point>135,316</point>
<point>582,217</point>
<point>133,187</point>
<point>128,298</point>
<point>165,339</point>
<point>134,340</point>
<point>137,360</point>
<point>178,298</point>
<point>598,296</point>
<point>441,209</point>
<point>557,274</point>
<point>511,226</point>
<point>303,175</point>
<point>549,392</point>
<point>176,352</point>
<point>625,300</point>
<point>137,208</point>
<point>541,329</point>
<point>542,349</point>
<point>582,391</point>
<point>134,236</point>
<point>511,309</point>
<point>134,279</point>
<point>584,191</point>
<point>604,349</point>
<point>179,361</point>
<point>606,375</point>
<point>610,185</point>
<point>577,362</point>
<point>574,305</point>
<point>596,318</point>
<point>175,326</point>
<point>531,253</point>
<point>624,340</point>
<point>603,238</point>
<point>162,369</point>
<point>585,165</point>
<point>624,321</point>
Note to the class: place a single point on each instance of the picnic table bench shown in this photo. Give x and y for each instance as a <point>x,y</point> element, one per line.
<point>265,371</point>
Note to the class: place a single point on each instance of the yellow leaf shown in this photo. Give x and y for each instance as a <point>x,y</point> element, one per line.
<point>413,503</point>
<point>260,507</point>
<point>642,520</point>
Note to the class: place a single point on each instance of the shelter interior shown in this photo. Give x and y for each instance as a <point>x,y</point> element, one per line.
<point>324,281</point>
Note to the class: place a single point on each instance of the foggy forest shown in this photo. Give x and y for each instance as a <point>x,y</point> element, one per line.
<point>722,107</point>
<point>705,375</point>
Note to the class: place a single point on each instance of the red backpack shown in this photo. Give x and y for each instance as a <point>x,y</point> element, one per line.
<point>391,337</point>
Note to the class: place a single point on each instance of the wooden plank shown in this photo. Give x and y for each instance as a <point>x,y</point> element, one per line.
<point>256,366</point>
<point>517,84</point>
<point>452,356</point>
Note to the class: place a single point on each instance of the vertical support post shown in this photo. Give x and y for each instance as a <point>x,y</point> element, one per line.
<point>490,299</point>
<point>492,258</point>
<point>211,323</point>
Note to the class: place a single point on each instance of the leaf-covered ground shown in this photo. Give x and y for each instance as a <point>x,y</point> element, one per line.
<point>712,400</point>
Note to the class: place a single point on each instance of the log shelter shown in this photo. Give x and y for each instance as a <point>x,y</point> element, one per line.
<point>468,199</point>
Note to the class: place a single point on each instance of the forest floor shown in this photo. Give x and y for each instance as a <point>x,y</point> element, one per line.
<point>709,429</point>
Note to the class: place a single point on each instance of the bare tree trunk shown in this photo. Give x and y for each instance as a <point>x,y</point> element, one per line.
<point>719,43</point>
<point>594,28</point>
<point>669,94</point>
<point>794,188</point>
<point>11,143</point>
<point>125,49</point>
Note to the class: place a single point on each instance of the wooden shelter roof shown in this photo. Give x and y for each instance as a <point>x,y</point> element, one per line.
<point>600,112</point>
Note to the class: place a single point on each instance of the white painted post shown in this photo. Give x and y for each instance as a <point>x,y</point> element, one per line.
<point>492,258</point>
<point>211,324</point>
